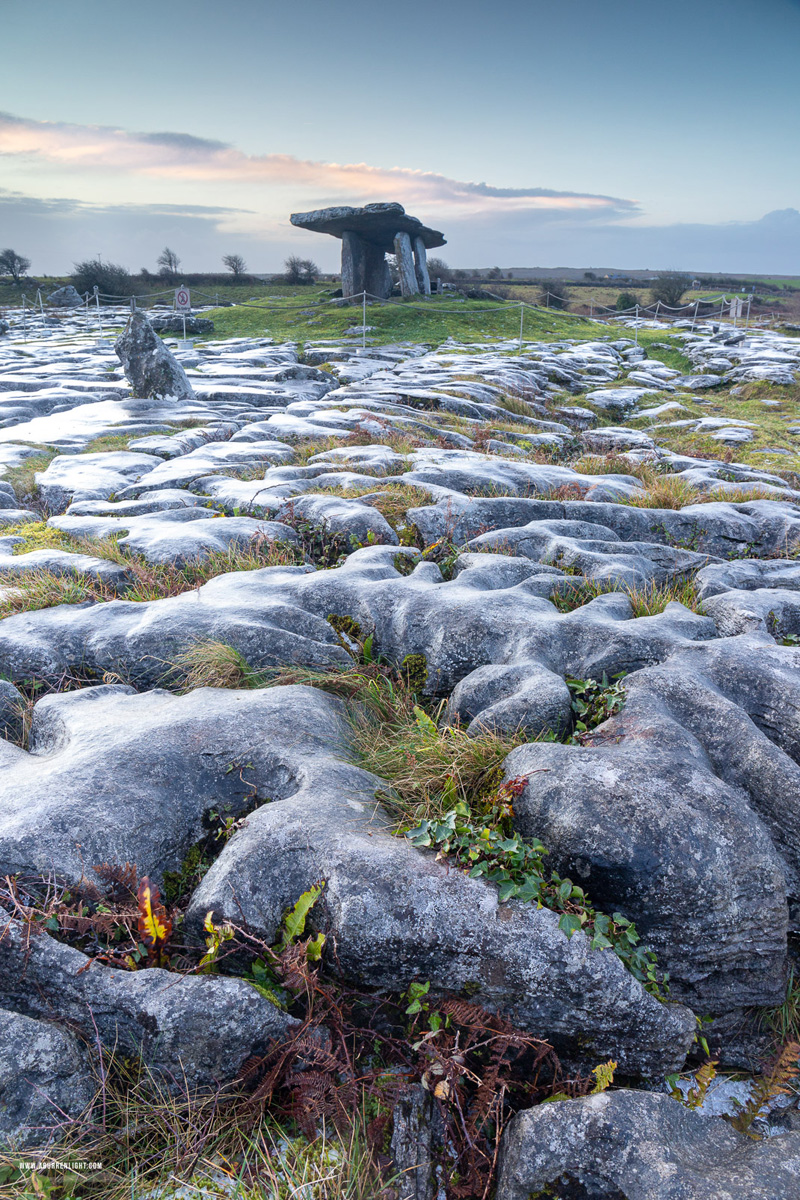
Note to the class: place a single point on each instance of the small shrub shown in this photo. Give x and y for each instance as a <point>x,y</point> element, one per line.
<point>112,280</point>
<point>669,288</point>
<point>626,300</point>
<point>594,701</point>
<point>554,295</point>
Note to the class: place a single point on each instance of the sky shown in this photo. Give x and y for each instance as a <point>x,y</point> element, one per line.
<point>621,133</point>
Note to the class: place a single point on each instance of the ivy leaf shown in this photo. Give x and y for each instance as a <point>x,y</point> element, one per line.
<point>600,942</point>
<point>569,923</point>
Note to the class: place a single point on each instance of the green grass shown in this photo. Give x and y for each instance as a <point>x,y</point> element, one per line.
<point>218,1144</point>
<point>147,581</point>
<point>646,600</point>
<point>429,321</point>
<point>393,502</point>
<point>22,478</point>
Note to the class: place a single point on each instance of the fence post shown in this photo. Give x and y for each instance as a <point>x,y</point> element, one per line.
<point>99,318</point>
<point>363,320</point>
<point>658,305</point>
<point>521,320</point>
<point>747,322</point>
<point>24,320</point>
<point>636,328</point>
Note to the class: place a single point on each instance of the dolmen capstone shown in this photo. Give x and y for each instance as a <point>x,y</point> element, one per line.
<point>368,234</point>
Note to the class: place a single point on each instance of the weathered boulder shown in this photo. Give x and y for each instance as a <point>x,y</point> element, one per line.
<point>642,1146</point>
<point>152,371</point>
<point>45,1076</point>
<point>487,614</point>
<point>90,476</point>
<point>175,324</point>
<point>592,551</point>
<point>60,562</point>
<point>393,914</point>
<point>682,812</point>
<point>193,1029</point>
<point>176,535</point>
<point>65,297</point>
<point>752,529</point>
<point>62,809</point>
<point>356,520</point>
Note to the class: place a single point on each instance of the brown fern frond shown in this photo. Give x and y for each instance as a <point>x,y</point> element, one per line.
<point>121,880</point>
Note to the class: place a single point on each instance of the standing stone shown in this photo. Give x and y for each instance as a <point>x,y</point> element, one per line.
<point>353,263</point>
<point>421,265</point>
<point>65,297</point>
<point>377,276</point>
<point>405,265</point>
<point>152,371</point>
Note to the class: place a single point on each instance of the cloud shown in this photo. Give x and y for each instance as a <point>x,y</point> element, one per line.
<point>484,224</point>
<point>181,156</point>
<point>768,245</point>
<point>57,232</point>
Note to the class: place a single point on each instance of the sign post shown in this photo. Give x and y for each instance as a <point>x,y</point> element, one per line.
<point>183,304</point>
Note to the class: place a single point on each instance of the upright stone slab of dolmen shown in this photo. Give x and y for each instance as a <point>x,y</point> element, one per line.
<point>368,234</point>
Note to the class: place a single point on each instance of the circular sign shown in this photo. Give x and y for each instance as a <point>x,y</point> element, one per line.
<point>182,298</point>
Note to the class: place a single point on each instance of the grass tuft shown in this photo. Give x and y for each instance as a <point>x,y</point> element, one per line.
<point>147,580</point>
<point>167,1143</point>
<point>664,491</point>
<point>213,664</point>
<point>646,600</point>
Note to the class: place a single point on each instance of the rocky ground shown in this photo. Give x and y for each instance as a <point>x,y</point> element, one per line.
<point>376,629</point>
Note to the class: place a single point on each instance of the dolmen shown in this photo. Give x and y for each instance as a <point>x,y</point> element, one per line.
<point>368,234</point>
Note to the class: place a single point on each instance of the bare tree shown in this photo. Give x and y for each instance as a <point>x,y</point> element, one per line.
<point>438,269</point>
<point>169,263</point>
<point>300,270</point>
<point>235,264</point>
<point>669,287</point>
<point>13,264</point>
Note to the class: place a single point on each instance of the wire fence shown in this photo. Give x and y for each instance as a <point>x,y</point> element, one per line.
<point>36,315</point>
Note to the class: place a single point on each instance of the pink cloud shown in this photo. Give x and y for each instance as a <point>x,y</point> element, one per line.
<point>178,156</point>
